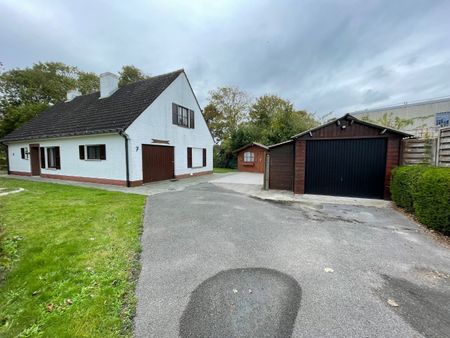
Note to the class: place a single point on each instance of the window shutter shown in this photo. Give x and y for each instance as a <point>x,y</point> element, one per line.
<point>57,158</point>
<point>81,151</point>
<point>102,152</point>
<point>22,152</point>
<point>191,117</point>
<point>189,157</point>
<point>42,157</point>
<point>174,113</point>
<point>204,157</point>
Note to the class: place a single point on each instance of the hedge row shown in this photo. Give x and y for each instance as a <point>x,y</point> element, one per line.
<point>425,191</point>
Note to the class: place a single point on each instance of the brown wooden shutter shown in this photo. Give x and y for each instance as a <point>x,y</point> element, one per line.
<point>191,117</point>
<point>174,113</point>
<point>204,157</point>
<point>102,152</point>
<point>189,157</point>
<point>42,157</point>
<point>22,152</point>
<point>57,158</point>
<point>81,151</point>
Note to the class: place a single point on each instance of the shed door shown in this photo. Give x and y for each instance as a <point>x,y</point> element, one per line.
<point>157,163</point>
<point>346,167</point>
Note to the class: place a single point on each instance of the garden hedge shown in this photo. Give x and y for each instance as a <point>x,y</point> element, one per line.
<point>426,192</point>
<point>403,185</point>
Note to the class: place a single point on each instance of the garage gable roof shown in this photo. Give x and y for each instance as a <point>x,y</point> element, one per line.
<point>87,114</point>
<point>353,119</point>
<point>251,145</point>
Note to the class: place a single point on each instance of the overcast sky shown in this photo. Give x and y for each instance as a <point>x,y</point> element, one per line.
<point>325,56</point>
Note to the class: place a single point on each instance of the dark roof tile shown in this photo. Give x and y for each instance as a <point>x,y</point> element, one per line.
<point>88,114</point>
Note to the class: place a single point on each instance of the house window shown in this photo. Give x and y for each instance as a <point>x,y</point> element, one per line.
<point>196,157</point>
<point>182,116</point>
<point>24,153</point>
<point>443,119</point>
<point>92,152</point>
<point>249,156</point>
<point>53,160</point>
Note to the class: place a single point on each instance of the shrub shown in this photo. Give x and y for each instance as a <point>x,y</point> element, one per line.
<point>403,185</point>
<point>432,199</point>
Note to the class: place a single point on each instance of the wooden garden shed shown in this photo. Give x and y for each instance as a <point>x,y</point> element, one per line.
<point>251,157</point>
<point>344,157</point>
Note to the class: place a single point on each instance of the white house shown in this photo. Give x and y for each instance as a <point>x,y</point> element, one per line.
<point>146,131</point>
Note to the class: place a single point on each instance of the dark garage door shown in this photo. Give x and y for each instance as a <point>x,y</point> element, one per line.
<point>157,163</point>
<point>343,167</point>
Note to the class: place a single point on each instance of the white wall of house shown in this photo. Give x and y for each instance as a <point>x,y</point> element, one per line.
<point>71,165</point>
<point>156,123</point>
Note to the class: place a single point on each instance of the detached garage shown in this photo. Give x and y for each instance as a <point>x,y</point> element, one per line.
<point>345,157</point>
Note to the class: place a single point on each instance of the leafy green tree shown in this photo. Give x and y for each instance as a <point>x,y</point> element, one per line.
<point>88,83</point>
<point>15,116</point>
<point>228,109</point>
<point>276,120</point>
<point>24,93</point>
<point>130,74</point>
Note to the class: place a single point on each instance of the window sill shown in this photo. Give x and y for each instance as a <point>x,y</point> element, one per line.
<point>249,164</point>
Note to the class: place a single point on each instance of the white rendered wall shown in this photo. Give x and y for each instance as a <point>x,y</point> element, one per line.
<point>71,165</point>
<point>156,123</point>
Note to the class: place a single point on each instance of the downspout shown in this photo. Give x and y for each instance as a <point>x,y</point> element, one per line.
<point>127,166</point>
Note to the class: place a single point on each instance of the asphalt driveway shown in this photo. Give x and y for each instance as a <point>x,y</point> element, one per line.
<point>218,263</point>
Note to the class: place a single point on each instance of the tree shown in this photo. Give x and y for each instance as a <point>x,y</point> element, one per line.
<point>276,119</point>
<point>229,108</point>
<point>15,116</point>
<point>130,74</point>
<point>88,83</point>
<point>214,121</point>
<point>24,93</point>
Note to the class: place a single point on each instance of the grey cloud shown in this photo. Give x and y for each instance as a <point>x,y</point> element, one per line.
<point>322,55</point>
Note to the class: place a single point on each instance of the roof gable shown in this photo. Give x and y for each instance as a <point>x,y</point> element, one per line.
<point>253,144</point>
<point>349,126</point>
<point>88,114</point>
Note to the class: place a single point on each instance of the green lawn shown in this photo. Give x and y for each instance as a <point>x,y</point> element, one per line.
<point>68,260</point>
<point>223,170</point>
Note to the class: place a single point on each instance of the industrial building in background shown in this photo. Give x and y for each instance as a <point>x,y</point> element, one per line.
<point>426,117</point>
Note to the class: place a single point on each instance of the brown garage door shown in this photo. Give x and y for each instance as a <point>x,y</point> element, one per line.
<point>157,163</point>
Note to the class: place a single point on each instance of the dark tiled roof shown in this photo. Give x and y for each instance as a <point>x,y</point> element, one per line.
<point>88,114</point>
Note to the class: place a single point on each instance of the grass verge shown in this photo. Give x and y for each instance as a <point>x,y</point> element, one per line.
<point>68,260</point>
<point>223,170</point>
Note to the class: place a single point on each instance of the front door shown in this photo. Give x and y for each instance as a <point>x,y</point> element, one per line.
<point>35,160</point>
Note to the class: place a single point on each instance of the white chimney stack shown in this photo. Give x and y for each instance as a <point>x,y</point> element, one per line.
<point>71,94</point>
<point>109,83</point>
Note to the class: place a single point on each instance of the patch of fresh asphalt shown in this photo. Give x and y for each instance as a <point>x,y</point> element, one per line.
<point>347,260</point>
<point>253,302</point>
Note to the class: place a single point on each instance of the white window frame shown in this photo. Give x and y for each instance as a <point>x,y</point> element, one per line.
<point>249,157</point>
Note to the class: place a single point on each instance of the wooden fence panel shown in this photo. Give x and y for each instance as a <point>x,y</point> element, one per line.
<point>418,151</point>
<point>443,154</point>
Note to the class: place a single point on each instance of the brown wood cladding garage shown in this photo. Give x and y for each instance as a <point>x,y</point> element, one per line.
<point>157,163</point>
<point>288,159</point>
